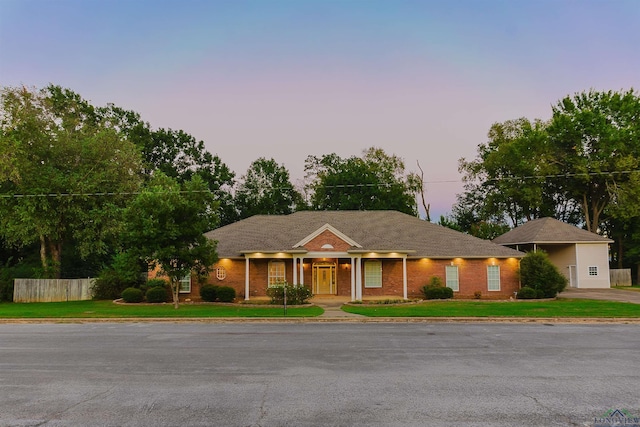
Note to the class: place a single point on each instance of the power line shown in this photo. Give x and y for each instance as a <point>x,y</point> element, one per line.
<point>369,185</point>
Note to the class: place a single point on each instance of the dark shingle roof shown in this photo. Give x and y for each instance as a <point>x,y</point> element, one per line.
<point>548,230</point>
<point>373,230</point>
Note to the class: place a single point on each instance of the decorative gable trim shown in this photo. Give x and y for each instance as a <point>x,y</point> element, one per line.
<point>330,228</point>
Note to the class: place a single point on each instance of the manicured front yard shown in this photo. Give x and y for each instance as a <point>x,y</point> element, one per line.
<point>555,308</point>
<point>107,309</point>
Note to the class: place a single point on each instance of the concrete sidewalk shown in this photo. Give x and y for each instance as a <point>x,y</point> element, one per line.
<point>620,295</point>
<point>331,306</point>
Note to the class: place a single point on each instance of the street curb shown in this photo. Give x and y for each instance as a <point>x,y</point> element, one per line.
<point>554,320</point>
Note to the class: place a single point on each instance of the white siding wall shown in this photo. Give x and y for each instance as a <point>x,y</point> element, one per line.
<point>562,256</point>
<point>593,255</point>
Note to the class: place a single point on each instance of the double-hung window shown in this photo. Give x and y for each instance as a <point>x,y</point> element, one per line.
<point>373,274</point>
<point>185,284</point>
<point>451,274</point>
<point>493,277</point>
<point>276,273</point>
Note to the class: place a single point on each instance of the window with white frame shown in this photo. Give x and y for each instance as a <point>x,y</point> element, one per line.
<point>593,270</point>
<point>451,277</point>
<point>373,274</point>
<point>221,273</point>
<point>185,284</point>
<point>493,277</point>
<point>276,273</point>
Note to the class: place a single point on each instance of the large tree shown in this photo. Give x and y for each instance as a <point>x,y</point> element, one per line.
<point>596,145</point>
<point>166,223</point>
<point>507,182</point>
<point>177,154</point>
<point>266,189</point>
<point>375,181</point>
<point>65,173</point>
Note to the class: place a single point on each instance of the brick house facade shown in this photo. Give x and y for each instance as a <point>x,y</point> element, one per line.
<point>358,254</point>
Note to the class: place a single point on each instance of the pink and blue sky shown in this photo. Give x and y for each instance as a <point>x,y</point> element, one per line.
<point>285,79</point>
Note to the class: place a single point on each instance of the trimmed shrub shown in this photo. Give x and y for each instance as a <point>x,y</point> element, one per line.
<point>209,293</point>
<point>539,273</point>
<point>226,293</point>
<point>296,294</point>
<point>437,292</point>
<point>132,295</point>
<point>157,294</point>
<point>152,283</point>
<point>527,293</point>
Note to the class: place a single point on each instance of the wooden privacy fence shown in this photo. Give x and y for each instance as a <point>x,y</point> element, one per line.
<point>51,290</point>
<point>620,277</point>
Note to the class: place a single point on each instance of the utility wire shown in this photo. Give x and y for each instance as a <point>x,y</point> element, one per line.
<point>134,193</point>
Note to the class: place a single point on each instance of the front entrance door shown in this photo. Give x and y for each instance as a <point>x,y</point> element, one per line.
<point>324,279</point>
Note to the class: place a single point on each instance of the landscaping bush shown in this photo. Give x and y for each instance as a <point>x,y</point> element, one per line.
<point>437,292</point>
<point>209,293</point>
<point>539,273</point>
<point>296,294</point>
<point>226,294</point>
<point>132,295</point>
<point>527,293</point>
<point>124,272</point>
<point>157,294</point>
<point>152,283</point>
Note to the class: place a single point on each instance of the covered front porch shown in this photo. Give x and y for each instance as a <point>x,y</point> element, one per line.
<point>351,275</point>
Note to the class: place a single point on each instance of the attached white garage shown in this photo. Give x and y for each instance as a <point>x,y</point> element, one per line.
<point>582,256</point>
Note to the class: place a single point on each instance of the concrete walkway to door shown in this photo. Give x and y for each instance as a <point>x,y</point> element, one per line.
<point>602,294</point>
<point>331,306</point>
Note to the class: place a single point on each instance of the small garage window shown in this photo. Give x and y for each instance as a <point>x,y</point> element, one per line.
<point>593,270</point>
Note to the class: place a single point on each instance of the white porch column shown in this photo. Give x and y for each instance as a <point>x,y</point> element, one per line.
<point>302,271</point>
<point>359,278</point>
<point>295,271</point>
<point>404,277</point>
<point>246,279</point>
<point>353,279</point>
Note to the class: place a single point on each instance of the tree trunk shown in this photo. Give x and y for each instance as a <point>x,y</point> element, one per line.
<point>43,254</point>
<point>175,290</point>
<point>56,258</point>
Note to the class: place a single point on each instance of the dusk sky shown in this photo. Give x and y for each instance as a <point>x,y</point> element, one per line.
<point>286,79</point>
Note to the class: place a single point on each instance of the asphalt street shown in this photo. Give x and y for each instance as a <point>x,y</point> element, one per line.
<point>316,374</point>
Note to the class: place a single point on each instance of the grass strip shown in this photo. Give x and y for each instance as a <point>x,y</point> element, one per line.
<point>555,308</point>
<point>107,309</point>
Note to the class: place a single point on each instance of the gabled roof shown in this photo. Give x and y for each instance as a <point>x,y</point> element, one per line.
<point>327,227</point>
<point>548,230</point>
<point>387,231</point>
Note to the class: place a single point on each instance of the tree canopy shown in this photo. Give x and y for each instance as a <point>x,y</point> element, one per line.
<point>66,175</point>
<point>165,226</point>
<point>375,181</point>
<point>266,189</point>
<point>582,167</point>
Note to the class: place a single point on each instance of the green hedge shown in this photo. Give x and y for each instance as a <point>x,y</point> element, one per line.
<point>437,292</point>
<point>209,293</point>
<point>132,295</point>
<point>156,294</point>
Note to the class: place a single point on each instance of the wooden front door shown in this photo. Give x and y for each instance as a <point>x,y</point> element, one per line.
<point>324,279</point>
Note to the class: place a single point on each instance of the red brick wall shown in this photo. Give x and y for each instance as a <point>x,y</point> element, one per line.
<point>472,277</point>
<point>327,238</point>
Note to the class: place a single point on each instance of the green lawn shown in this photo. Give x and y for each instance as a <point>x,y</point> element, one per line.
<point>107,309</point>
<point>555,308</point>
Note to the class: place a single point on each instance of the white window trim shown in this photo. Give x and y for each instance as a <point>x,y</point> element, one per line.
<point>221,273</point>
<point>275,280</point>
<point>373,279</point>
<point>494,280</point>
<point>185,285</point>
<point>451,282</point>
<point>594,269</point>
